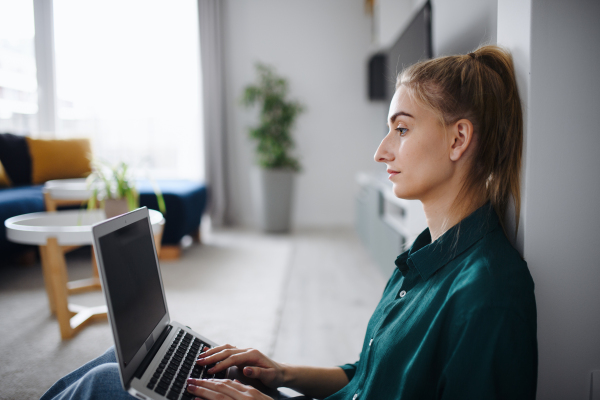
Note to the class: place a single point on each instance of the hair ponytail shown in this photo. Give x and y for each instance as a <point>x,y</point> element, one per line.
<point>481,87</point>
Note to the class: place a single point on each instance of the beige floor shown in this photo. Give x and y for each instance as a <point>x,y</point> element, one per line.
<point>303,298</point>
<point>332,291</point>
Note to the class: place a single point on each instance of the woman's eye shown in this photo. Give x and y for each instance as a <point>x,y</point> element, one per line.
<point>401,130</point>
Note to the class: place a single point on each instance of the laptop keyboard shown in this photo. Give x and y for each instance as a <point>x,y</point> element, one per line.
<point>178,364</point>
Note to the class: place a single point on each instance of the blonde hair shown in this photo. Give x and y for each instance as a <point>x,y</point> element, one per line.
<point>481,87</point>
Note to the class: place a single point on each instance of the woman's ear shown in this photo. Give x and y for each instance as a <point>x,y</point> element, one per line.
<point>461,134</point>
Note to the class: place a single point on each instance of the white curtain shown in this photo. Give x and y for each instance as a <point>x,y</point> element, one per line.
<point>213,100</point>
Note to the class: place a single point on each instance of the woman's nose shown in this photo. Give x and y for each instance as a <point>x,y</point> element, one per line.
<point>384,153</point>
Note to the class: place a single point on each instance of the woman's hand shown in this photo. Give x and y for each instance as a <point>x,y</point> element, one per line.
<point>317,382</point>
<point>223,389</point>
<point>255,364</point>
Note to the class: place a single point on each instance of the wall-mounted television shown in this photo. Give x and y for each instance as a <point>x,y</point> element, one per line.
<point>413,45</point>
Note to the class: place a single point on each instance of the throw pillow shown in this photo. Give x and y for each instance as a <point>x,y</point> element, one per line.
<point>14,155</point>
<point>4,179</point>
<point>59,159</point>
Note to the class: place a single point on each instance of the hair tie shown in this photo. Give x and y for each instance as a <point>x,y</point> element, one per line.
<point>472,55</point>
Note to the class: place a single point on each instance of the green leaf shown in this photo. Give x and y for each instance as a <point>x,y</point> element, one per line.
<point>162,207</point>
<point>273,137</point>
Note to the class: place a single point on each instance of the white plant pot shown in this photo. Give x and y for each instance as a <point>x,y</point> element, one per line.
<point>272,193</point>
<point>114,207</point>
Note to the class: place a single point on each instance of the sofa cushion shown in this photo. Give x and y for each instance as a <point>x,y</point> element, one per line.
<point>59,159</point>
<point>4,179</point>
<point>14,155</point>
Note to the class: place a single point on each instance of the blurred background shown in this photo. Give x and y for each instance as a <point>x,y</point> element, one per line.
<point>129,76</point>
<point>159,83</point>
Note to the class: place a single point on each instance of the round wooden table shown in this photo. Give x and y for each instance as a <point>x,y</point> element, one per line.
<point>57,233</point>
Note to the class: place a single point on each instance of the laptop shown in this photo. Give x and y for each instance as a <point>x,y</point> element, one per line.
<point>155,355</point>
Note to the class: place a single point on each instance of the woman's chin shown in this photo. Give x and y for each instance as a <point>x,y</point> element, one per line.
<point>402,193</point>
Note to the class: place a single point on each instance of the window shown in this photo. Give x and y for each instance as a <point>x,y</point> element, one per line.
<point>18,82</point>
<point>128,76</point>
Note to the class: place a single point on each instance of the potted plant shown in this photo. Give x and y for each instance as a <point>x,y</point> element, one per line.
<point>114,187</point>
<point>272,182</point>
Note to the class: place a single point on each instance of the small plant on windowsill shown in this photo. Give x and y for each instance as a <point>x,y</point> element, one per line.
<point>113,188</point>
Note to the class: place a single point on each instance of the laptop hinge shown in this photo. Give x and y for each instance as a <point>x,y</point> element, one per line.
<point>146,361</point>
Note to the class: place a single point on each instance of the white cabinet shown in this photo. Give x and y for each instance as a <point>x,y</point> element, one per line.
<point>386,225</point>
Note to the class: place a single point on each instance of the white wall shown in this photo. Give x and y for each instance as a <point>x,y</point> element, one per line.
<point>322,47</point>
<point>391,18</point>
<point>460,26</point>
<point>557,59</point>
<point>514,33</point>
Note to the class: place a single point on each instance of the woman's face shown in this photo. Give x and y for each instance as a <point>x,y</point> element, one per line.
<point>416,150</point>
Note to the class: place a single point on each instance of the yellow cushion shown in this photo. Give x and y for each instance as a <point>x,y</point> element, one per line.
<point>59,159</point>
<point>4,179</point>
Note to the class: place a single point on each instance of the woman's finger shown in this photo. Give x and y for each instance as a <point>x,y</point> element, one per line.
<point>239,386</point>
<point>244,389</point>
<point>218,357</point>
<point>264,374</point>
<point>215,389</point>
<point>215,350</point>
<point>207,394</point>
<point>239,358</point>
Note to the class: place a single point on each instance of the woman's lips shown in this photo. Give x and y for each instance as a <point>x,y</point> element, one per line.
<point>392,173</point>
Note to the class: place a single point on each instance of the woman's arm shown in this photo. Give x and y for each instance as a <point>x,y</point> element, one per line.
<point>317,382</point>
<point>312,381</point>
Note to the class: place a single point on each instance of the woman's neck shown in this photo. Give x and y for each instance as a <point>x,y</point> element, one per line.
<point>442,214</point>
<point>439,218</point>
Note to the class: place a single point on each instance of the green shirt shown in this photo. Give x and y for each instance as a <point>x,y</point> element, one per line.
<point>457,320</point>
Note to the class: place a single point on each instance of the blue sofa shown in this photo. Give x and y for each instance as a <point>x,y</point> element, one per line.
<point>185,202</point>
<point>25,161</point>
<point>17,201</point>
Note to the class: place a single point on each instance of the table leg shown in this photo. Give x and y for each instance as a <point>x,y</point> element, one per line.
<point>57,274</point>
<point>88,284</point>
<point>71,318</point>
<point>94,265</point>
<point>49,202</point>
<point>47,278</point>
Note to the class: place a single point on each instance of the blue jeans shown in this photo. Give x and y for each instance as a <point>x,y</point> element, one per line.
<point>98,379</point>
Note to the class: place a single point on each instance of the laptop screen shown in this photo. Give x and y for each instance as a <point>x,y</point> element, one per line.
<point>133,284</point>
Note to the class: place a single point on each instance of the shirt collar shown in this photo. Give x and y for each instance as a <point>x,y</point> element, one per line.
<point>428,257</point>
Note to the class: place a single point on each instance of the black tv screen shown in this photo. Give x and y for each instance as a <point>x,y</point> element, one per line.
<point>413,45</point>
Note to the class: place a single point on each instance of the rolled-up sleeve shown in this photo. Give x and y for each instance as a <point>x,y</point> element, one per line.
<point>350,369</point>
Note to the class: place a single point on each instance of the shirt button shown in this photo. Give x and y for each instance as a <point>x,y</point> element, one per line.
<point>371,342</point>
<point>355,396</point>
<point>403,293</point>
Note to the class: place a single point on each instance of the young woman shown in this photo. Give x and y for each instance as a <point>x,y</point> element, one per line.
<point>457,319</point>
